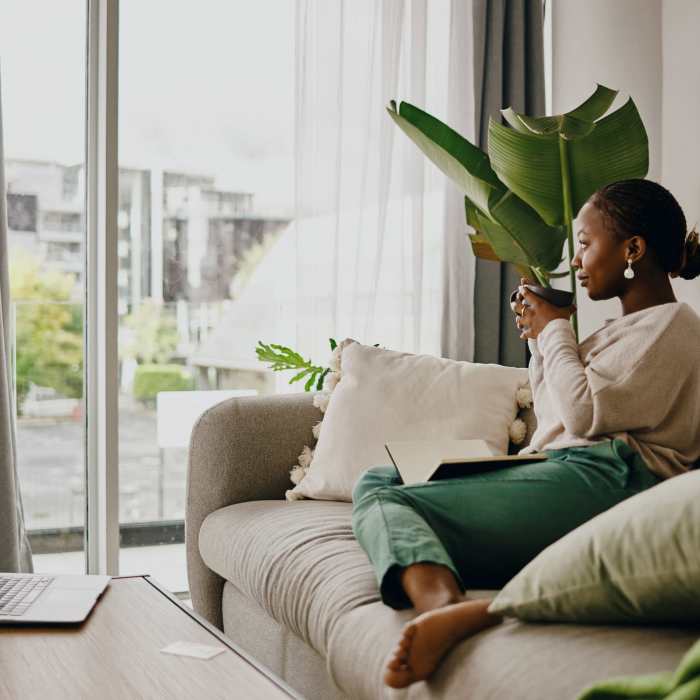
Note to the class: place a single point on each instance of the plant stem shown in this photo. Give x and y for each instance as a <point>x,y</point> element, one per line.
<point>542,279</point>
<point>569,218</point>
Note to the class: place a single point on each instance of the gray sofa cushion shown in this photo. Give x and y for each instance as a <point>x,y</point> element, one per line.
<point>519,660</point>
<point>302,566</point>
<point>299,561</point>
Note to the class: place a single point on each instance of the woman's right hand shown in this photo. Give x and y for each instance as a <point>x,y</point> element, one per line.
<point>516,303</point>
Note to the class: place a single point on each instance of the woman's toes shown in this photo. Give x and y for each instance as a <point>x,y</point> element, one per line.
<point>398,649</point>
<point>400,678</point>
<point>397,661</point>
<point>398,671</point>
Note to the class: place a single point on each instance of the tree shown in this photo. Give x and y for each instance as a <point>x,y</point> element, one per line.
<point>48,328</point>
<point>151,335</point>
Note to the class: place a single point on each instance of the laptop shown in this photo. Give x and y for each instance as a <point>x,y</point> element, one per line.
<point>418,461</point>
<point>47,599</point>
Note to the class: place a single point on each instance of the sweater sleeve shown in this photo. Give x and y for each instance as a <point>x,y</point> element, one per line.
<point>605,398</point>
<point>534,368</point>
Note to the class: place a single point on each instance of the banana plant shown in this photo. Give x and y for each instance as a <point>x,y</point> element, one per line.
<point>522,197</point>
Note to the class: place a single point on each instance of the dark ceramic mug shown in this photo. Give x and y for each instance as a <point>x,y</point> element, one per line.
<point>558,297</point>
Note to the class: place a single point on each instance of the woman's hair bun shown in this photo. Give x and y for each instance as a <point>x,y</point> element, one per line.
<point>691,256</point>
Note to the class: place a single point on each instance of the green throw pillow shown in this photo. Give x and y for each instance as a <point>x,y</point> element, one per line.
<point>638,561</point>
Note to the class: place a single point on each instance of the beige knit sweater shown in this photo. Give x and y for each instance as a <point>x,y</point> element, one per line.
<point>637,378</point>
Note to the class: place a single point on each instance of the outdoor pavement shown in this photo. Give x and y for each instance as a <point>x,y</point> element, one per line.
<point>51,470</point>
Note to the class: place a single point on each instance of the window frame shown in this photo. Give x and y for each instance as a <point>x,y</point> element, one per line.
<point>101,422</point>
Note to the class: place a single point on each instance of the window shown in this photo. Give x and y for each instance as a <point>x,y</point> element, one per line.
<point>205,187</point>
<point>202,244</point>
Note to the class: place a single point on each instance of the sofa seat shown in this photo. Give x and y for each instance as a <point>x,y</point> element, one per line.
<point>299,561</point>
<point>299,564</point>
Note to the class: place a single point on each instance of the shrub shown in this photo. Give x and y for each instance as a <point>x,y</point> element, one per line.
<point>149,334</point>
<point>48,328</point>
<point>150,379</point>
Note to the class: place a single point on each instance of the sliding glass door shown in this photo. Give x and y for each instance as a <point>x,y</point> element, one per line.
<point>205,193</point>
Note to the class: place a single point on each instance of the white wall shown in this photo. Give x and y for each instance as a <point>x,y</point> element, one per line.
<point>681,118</point>
<point>622,44</point>
<point>617,44</point>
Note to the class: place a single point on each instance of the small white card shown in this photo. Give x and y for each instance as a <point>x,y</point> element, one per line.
<point>196,651</point>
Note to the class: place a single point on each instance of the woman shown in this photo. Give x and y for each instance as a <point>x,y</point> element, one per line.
<point>616,414</point>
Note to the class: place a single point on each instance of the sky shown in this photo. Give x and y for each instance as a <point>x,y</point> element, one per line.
<point>205,86</point>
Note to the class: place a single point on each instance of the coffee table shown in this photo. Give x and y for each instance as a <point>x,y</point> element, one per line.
<point>115,653</point>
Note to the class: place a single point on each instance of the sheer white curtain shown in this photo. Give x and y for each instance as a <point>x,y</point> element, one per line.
<point>369,209</point>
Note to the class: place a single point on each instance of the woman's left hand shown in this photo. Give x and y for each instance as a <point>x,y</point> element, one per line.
<point>537,313</point>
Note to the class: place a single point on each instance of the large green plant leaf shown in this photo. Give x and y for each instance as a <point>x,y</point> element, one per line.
<point>531,158</point>
<point>596,105</point>
<point>462,162</point>
<point>513,230</point>
<point>516,234</point>
<point>482,249</point>
<point>541,244</point>
<point>577,122</point>
<point>499,240</point>
<point>529,164</point>
<point>617,149</point>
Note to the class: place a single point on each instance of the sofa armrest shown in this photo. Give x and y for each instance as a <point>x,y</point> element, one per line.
<point>240,450</point>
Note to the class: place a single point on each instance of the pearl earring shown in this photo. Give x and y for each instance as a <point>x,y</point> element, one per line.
<point>629,272</point>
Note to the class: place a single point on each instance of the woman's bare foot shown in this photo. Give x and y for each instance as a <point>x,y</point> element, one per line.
<point>430,636</point>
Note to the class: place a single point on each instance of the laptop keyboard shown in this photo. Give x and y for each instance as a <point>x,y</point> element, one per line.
<point>17,593</point>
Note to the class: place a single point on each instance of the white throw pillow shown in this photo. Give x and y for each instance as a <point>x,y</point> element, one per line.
<point>385,395</point>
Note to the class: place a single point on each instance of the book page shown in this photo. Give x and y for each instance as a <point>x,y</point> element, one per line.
<point>423,460</point>
<point>416,460</point>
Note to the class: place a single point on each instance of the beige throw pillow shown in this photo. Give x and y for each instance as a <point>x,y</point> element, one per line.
<point>638,561</point>
<point>384,395</point>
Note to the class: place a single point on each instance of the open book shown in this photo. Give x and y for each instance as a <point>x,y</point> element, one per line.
<point>427,460</point>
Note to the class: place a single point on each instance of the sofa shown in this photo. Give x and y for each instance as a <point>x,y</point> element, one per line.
<point>288,582</point>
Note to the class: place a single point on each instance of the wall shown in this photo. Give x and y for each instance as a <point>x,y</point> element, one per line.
<point>681,112</point>
<point>618,44</point>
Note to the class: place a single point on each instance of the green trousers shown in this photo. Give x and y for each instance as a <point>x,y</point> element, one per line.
<point>486,526</point>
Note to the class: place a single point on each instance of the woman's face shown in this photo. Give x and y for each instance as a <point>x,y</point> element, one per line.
<point>600,257</point>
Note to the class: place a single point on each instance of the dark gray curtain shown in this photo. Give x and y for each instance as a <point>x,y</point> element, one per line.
<point>508,72</point>
<point>15,553</point>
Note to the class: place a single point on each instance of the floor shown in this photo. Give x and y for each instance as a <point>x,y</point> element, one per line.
<point>165,563</point>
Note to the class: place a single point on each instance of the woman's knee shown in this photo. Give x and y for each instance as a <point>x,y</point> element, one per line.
<point>374,478</point>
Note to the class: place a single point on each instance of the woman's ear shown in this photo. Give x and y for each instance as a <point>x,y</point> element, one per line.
<point>636,248</point>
